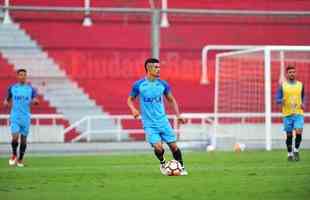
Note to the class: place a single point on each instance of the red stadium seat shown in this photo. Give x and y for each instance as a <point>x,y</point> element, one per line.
<point>106,58</point>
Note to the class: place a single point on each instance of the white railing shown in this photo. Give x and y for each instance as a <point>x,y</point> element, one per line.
<point>204,118</point>
<point>36,118</point>
<point>40,131</point>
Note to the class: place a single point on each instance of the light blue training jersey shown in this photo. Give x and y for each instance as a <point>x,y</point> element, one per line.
<point>21,96</point>
<point>151,101</point>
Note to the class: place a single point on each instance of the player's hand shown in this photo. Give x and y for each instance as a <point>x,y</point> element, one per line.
<point>303,106</point>
<point>181,120</point>
<point>35,101</point>
<point>6,103</point>
<point>135,113</point>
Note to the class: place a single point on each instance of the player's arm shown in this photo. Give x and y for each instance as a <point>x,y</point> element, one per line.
<point>35,101</point>
<point>279,96</point>
<point>172,101</point>
<point>34,97</point>
<point>303,97</point>
<point>130,102</point>
<point>8,99</point>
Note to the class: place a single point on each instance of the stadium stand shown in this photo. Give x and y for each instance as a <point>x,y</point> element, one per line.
<point>106,58</point>
<point>108,52</point>
<point>207,4</point>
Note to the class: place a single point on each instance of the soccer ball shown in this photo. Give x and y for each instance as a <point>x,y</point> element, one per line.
<point>173,168</point>
<point>210,148</point>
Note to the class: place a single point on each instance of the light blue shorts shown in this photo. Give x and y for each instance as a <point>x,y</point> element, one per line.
<point>158,134</point>
<point>293,122</point>
<point>19,128</point>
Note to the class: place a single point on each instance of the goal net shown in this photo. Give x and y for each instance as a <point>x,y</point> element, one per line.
<point>246,83</point>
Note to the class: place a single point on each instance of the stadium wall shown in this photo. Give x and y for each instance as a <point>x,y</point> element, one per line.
<point>41,134</point>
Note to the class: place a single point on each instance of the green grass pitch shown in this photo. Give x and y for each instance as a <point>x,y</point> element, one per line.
<point>219,175</point>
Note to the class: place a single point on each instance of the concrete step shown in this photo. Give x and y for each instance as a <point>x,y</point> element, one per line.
<point>11,45</point>
<point>83,99</point>
<point>62,93</point>
<point>22,51</point>
<point>13,26</point>
<point>74,104</point>
<point>37,67</point>
<point>67,94</point>
<point>16,41</point>
<point>82,111</point>
<point>53,82</point>
<point>52,87</point>
<point>32,57</point>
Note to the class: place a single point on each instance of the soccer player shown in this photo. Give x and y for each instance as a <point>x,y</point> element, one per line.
<point>291,97</point>
<point>20,97</point>
<point>151,90</point>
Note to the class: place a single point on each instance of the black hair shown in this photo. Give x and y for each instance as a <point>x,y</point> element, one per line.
<point>150,60</point>
<point>21,70</point>
<point>290,67</point>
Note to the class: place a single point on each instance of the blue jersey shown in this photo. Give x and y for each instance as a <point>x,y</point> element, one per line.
<point>151,101</point>
<point>21,96</point>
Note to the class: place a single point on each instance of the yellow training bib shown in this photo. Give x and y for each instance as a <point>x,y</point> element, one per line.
<point>292,99</point>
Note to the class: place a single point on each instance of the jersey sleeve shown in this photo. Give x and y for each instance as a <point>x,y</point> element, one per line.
<point>34,93</point>
<point>303,94</point>
<point>135,89</point>
<point>167,89</point>
<point>9,93</point>
<point>279,95</point>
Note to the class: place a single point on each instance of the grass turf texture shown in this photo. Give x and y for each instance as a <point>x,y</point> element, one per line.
<point>219,175</point>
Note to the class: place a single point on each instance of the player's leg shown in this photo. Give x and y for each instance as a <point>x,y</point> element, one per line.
<point>14,145</point>
<point>159,152</point>
<point>176,152</point>
<point>152,136</point>
<point>22,150</point>
<point>23,144</point>
<point>14,142</point>
<point>168,136</point>
<point>24,130</point>
<point>288,128</point>
<point>298,138</point>
<point>289,144</point>
<point>177,155</point>
<point>298,126</point>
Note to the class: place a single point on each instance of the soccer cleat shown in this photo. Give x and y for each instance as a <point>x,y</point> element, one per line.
<point>163,169</point>
<point>290,158</point>
<point>20,163</point>
<point>296,156</point>
<point>12,160</point>
<point>184,172</point>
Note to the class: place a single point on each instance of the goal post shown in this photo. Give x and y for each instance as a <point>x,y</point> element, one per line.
<point>246,82</point>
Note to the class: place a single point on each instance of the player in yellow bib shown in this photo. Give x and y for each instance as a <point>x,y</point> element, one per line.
<point>291,97</point>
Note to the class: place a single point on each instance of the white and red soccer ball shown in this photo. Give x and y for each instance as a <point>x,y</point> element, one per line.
<point>173,168</point>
